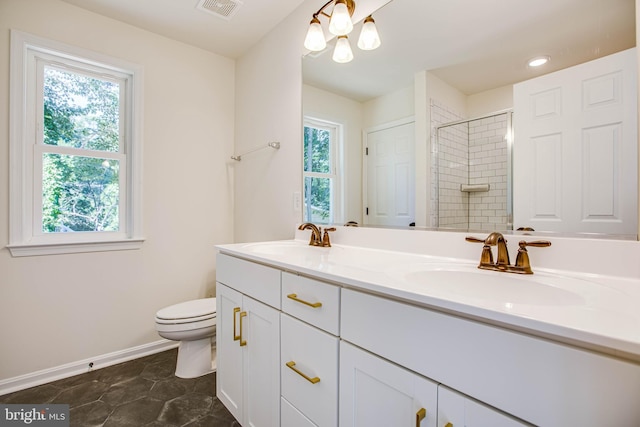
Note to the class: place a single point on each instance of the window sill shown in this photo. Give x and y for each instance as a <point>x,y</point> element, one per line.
<point>21,250</point>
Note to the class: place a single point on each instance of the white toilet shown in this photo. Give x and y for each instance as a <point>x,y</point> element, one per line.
<point>193,323</point>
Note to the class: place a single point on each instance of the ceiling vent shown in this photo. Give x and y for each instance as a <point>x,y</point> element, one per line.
<point>224,9</point>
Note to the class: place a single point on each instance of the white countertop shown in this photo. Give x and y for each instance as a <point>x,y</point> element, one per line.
<point>588,310</point>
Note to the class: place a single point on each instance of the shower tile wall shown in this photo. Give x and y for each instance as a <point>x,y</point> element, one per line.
<point>488,165</point>
<point>449,169</point>
<point>473,152</point>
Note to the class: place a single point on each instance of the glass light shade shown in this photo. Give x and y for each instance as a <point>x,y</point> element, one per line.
<point>369,38</point>
<point>315,37</point>
<point>340,23</point>
<point>342,53</point>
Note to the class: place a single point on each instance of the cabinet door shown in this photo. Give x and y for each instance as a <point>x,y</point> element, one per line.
<point>229,353</point>
<point>261,327</point>
<point>458,410</point>
<point>374,392</point>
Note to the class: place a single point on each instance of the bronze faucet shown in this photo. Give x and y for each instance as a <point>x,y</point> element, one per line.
<point>522,265</point>
<point>317,239</point>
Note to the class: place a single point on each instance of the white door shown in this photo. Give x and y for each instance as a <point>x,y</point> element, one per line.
<point>262,364</point>
<point>575,149</point>
<point>374,392</point>
<point>228,351</point>
<point>390,180</point>
<point>455,409</point>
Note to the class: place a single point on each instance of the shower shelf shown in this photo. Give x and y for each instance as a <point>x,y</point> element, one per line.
<point>474,188</point>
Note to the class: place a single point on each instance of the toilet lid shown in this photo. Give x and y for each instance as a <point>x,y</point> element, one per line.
<point>187,310</point>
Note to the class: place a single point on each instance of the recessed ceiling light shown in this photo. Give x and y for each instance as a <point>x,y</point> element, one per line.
<point>538,61</point>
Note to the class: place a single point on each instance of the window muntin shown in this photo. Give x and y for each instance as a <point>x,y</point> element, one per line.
<point>320,175</point>
<point>75,150</point>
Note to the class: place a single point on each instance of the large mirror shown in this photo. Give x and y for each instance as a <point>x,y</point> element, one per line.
<point>444,63</point>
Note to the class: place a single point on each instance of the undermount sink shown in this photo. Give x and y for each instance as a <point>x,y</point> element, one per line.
<point>467,281</point>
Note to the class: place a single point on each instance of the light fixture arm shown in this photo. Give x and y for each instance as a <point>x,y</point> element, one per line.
<point>351,6</point>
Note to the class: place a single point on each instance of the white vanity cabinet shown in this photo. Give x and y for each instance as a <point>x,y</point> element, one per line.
<point>309,352</point>
<point>375,392</point>
<point>248,341</point>
<point>321,354</point>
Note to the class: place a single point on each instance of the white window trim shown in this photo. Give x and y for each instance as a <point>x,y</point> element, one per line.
<point>23,241</point>
<point>337,190</point>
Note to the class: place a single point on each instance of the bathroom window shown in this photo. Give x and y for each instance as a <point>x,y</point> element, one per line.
<point>320,171</point>
<point>75,150</point>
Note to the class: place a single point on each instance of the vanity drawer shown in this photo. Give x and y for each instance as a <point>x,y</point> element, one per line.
<point>314,354</point>
<point>301,296</point>
<point>256,280</point>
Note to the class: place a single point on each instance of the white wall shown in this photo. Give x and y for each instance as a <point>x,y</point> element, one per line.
<point>490,101</point>
<point>60,309</point>
<point>320,104</point>
<point>390,107</point>
<point>269,108</point>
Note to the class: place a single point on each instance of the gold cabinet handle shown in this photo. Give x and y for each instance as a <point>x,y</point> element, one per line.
<point>420,415</point>
<point>448,425</point>
<point>236,310</point>
<point>310,304</point>
<point>291,365</point>
<point>242,342</point>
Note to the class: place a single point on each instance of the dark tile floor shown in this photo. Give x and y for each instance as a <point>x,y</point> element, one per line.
<point>141,392</point>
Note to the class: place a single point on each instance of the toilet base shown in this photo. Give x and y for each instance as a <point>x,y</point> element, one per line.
<point>194,358</point>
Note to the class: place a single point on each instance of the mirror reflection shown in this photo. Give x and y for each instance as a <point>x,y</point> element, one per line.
<point>452,68</point>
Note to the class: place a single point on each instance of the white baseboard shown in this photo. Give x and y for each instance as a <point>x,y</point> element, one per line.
<point>33,379</point>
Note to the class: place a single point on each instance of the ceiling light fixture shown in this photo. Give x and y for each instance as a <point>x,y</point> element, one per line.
<point>538,61</point>
<point>340,25</point>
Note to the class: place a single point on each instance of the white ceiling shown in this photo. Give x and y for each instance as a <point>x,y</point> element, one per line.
<point>474,45</point>
<point>182,20</point>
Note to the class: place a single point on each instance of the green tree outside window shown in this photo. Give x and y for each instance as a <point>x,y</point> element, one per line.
<point>319,173</point>
<point>80,191</point>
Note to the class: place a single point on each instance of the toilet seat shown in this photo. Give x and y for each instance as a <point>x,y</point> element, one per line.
<point>187,312</point>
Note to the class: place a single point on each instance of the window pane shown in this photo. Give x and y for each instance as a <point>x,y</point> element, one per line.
<point>317,200</point>
<point>317,150</point>
<point>81,111</point>
<point>79,193</point>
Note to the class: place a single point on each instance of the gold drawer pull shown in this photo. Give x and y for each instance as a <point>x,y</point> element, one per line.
<point>236,310</point>
<point>448,425</point>
<point>310,304</point>
<point>420,415</point>
<point>242,342</point>
<point>291,365</point>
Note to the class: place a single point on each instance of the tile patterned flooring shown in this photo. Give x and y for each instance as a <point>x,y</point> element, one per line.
<point>141,392</point>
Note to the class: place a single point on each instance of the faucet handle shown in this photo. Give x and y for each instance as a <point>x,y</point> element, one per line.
<point>486,258</point>
<point>522,260</point>
<point>325,238</point>
<point>535,243</point>
<point>473,239</point>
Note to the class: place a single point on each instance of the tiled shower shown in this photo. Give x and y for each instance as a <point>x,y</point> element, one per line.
<point>470,171</point>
